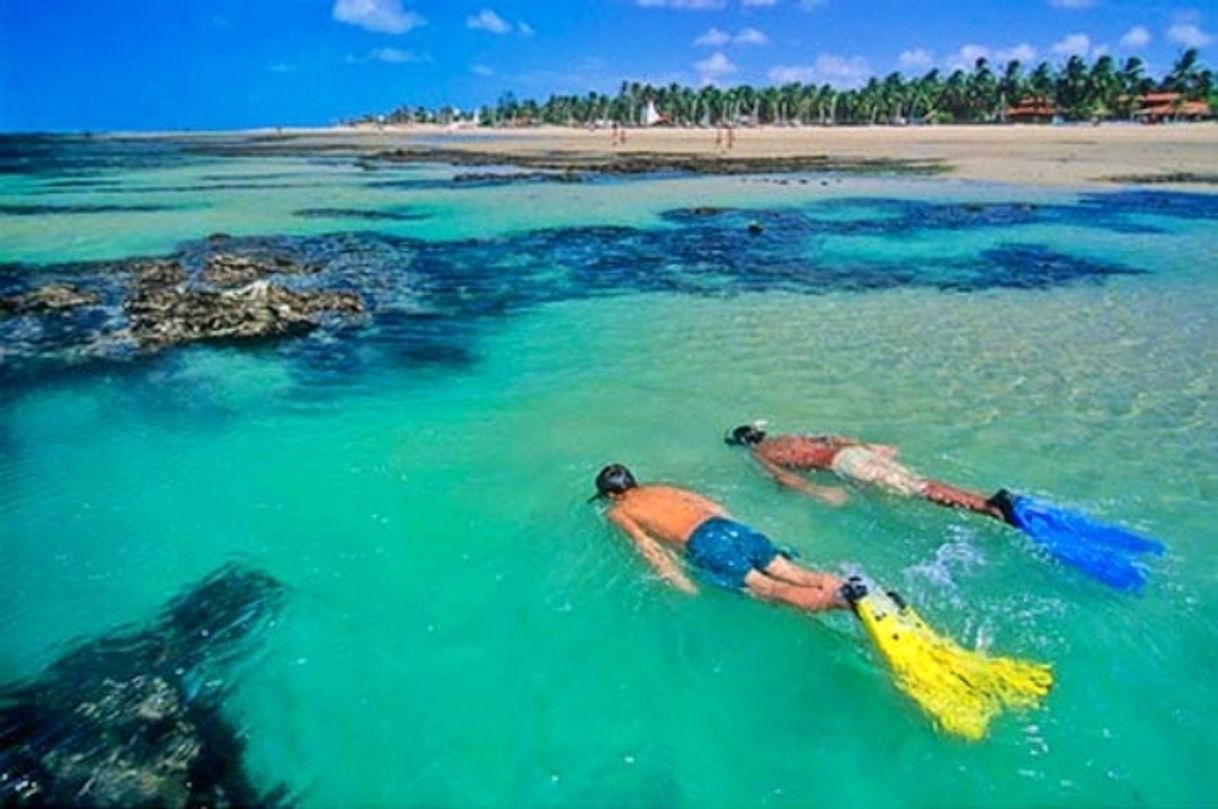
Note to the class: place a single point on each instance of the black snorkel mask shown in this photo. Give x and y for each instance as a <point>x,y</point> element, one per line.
<point>613,479</point>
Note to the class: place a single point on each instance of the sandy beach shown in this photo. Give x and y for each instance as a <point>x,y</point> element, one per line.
<point>1184,155</point>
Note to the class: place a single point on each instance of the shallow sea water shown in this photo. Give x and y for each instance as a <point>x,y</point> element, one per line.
<point>463,629</point>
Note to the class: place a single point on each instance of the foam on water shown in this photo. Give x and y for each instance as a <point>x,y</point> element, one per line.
<point>463,629</point>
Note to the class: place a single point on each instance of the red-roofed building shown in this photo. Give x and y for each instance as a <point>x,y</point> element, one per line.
<point>1034,109</point>
<point>1157,107</point>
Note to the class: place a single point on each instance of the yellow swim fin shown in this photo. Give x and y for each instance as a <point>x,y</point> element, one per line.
<point>961,690</point>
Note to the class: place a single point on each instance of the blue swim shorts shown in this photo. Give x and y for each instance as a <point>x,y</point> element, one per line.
<point>724,551</point>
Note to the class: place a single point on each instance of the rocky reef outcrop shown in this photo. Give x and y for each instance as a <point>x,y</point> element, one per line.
<point>45,299</point>
<point>136,718</point>
<point>236,301</point>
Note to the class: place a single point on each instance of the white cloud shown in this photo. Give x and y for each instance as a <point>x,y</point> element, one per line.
<point>1073,45</point>
<point>688,5</point>
<point>1023,52</point>
<point>714,38</point>
<point>1188,35</point>
<point>750,36</point>
<point>759,3</point>
<point>717,38</point>
<point>481,70</point>
<point>836,70</point>
<point>1136,37</point>
<point>393,56</point>
<point>967,56</point>
<point>525,29</point>
<point>281,67</point>
<point>915,59</point>
<point>488,20</point>
<point>382,16</point>
<point>714,67</point>
<point>1072,4</point>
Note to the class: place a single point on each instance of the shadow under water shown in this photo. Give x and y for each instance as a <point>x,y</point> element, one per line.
<point>135,718</point>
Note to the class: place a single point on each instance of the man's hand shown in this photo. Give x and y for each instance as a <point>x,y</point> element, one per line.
<point>829,495</point>
<point>682,583</point>
<point>659,559</point>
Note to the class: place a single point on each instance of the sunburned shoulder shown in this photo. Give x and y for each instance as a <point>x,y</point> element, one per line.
<point>661,491</point>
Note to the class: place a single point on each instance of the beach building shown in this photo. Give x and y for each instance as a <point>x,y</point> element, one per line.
<point>1154,108</point>
<point>1033,110</point>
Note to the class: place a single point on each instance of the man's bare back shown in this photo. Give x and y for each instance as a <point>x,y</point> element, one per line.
<point>665,512</point>
<point>728,553</point>
<point>860,462</point>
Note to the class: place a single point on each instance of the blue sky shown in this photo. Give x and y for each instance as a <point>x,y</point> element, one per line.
<point>156,64</point>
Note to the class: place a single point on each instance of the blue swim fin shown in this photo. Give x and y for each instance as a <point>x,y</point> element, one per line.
<point>1104,552</point>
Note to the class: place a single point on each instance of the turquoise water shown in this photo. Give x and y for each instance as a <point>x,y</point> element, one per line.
<point>463,629</point>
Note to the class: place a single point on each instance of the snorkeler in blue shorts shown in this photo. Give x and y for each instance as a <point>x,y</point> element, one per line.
<point>660,519</point>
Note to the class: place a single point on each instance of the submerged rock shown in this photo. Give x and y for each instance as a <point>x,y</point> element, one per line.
<point>496,178</point>
<point>165,316</point>
<point>49,298</point>
<point>157,273</point>
<point>229,270</point>
<point>134,718</point>
<point>226,270</point>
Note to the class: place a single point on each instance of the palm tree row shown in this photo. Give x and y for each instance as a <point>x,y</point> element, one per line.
<point>1076,91</point>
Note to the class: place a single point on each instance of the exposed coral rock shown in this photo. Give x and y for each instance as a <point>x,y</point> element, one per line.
<point>50,298</point>
<point>165,316</point>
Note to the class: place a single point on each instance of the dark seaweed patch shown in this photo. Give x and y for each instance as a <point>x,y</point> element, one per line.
<point>84,154</point>
<point>83,182</point>
<point>202,187</point>
<point>1171,204</point>
<point>135,718</point>
<point>427,301</point>
<point>45,210</point>
<point>358,213</point>
<point>881,216</point>
<point>481,180</point>
<point>1029,266</point>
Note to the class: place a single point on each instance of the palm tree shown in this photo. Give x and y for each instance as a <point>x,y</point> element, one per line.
<point>954,98</point>
<point>982,91</point>
<point>1104,86</point>
<point>1072,88</point>
<point>1187,76</point>
<point>1010,88</point>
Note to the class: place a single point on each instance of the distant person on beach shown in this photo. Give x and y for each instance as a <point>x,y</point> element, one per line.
<point>782,456</point>
<point>664,520</point>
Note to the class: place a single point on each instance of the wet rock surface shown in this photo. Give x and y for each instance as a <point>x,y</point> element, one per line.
<point>239,303</point>
<point>484,178</point>
<point>136,718</point>
<point>49,298</point>
<point>219,289</point>
<point>164,316</point>
<point>630,163</point>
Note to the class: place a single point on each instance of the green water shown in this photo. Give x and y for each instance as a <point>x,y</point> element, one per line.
<point>465,630</point>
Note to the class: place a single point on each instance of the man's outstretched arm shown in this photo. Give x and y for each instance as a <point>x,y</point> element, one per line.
<point>831,495</point>
<point>655,555</point>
